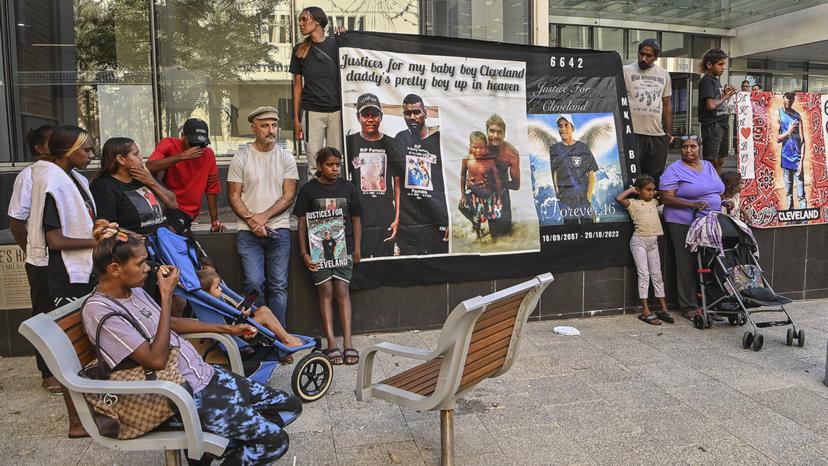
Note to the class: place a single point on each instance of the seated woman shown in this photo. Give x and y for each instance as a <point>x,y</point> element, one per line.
<point>251,415</point>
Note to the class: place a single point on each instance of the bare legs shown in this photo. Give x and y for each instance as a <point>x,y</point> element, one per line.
<point>339,290</point>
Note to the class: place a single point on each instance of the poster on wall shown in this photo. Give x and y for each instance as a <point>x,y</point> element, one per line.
<point>781,147</point>
<point>478,160</point>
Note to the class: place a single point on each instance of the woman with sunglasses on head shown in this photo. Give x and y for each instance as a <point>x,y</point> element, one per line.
<point>689,187</point>
<point>250,414</point>
<point>60,225</point>
<point>126,193</point>
<point>317,116</point>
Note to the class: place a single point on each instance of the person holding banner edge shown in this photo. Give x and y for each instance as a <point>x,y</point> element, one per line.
<point>649,91</point>
<point>317,102</point>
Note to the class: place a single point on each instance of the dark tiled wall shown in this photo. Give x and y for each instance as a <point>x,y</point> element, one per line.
<point>794,259</point>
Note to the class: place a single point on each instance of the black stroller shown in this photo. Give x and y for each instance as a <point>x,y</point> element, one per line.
<point>731,282</point>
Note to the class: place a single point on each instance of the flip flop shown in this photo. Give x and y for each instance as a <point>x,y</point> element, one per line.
<point>664,317</point>
<point>334,355</point>
<point>650,319</point>
<point>351,356</point>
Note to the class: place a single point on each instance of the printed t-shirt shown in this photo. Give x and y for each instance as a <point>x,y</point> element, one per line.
<point>570,165</point>
<point>422,198</point>
<point>320,72</point>
<point>645,217</point>
<point>711,87</point>
<point>645,89</point>
<point>792,146</point>
<point>691,185</point>
<point>328,209</point>
<point>59,282</point>
<point>119,339</point>
<point>188,179</point>
<point>262,176</point>
<point>132,205</point>
<point>372,166</point>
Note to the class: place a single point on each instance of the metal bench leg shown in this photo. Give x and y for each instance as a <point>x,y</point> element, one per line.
<point>172,457</point>
<point>825,381</point>
<point>447,437</point>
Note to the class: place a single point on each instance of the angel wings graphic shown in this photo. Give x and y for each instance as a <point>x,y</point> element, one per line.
<point>598,135</point>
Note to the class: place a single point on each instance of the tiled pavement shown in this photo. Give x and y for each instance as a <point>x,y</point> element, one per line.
<point>622,393</point>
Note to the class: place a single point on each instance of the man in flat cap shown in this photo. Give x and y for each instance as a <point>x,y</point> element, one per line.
<point>372,167</point>
<point>189,169</point>
<point>261,188</point>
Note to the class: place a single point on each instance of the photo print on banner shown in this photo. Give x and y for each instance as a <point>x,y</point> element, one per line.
<point>459,176</point>
<point>781,147</point>
<point>326,233</point>
<point>462,169</point>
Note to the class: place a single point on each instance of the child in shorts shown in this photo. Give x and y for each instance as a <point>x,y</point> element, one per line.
<point>211,283</point>
<point>328,207</point>
<point>644,246</point>
<point>480,183</point>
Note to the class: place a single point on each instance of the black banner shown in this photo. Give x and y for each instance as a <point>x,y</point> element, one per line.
<point>479,160</point>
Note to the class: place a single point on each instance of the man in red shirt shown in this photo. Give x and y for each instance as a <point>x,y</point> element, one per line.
<point>190,169</point>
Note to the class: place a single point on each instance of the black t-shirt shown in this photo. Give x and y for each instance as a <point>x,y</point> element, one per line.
<point>328,248</point>
<point>711,87</point>
<point>422,197</point>
<point>372,166</point>
<point>328,208</point>
<point>570,166</point>
<point>59,284</point>
<point>320,72</point>
<point>132,205</point>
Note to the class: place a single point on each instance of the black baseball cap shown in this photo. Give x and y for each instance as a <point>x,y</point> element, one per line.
<point>368,101</point>
<point>196,132</point>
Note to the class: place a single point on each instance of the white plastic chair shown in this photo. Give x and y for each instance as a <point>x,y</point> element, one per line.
<point>480,339</point>
<point>61,340</point>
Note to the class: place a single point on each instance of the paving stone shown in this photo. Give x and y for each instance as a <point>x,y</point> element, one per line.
<point>403,453</point>
<point>591,418</point>
<point>798,404</point>
<point>563,389</point>
<point>545,445</point>
<point>635,396</point>
<point>368,426</point>
<point>311,449</point>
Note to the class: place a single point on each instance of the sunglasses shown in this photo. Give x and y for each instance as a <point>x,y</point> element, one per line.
<point>690,137</point>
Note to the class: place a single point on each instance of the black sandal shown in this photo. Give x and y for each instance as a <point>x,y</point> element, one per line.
<point>664,316</point>
<point>351,356</point>
<point>650,319</point>
<point>334,355</point>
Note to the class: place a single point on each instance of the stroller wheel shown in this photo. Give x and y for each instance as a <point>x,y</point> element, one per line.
<point>732,320</point>
<point>758,341</point>
<point>800,339</point>
<point>790,337</point>
<point>698,321</point>
<point>747,339</point>
<point>742,319</point>
<point>312,377</point>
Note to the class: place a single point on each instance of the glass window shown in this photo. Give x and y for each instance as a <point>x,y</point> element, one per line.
<point>675,44</point>
<point>553,35</point>
<point>85,64</point>
<point>702,44</point>
<point>574,37</point>
<point>634,37</point>
<point>503,21</point>
<point>609,39</point>
<point>817,77</point>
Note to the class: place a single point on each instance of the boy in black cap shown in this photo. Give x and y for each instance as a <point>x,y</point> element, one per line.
<point>370,166</point>
<point>190,169</point>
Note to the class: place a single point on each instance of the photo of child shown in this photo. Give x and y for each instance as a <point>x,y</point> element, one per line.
<point>418,173</point>
<point>480,184</point>
<point>372,172</point>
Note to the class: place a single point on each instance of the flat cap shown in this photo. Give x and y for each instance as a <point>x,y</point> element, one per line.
<point>263,113</point>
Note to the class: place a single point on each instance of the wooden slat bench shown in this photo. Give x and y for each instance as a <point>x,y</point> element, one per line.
<point>479,340</point>
<point>61,340</point>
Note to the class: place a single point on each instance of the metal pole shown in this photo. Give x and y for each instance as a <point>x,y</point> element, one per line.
<point>172,457</point>
<point>447,437</point>
<point>156,99</point>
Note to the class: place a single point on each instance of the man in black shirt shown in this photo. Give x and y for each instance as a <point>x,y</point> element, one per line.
<point>372,161</point>
<point>573,174</point>
<point>423,214</point>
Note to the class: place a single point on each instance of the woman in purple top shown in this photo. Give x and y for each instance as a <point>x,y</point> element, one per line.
<point>251,415</point>
<point>688,186</point>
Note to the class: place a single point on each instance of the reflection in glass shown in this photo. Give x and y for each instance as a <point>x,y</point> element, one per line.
<point>574,37</point>
<point>609,39</point>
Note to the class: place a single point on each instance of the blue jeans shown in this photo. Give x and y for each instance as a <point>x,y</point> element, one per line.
<point>790,177</point>
<point>266,258</point>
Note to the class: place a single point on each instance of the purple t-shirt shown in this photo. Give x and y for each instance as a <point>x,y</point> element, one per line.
<point>692,186</point>
<point>119,339</point>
